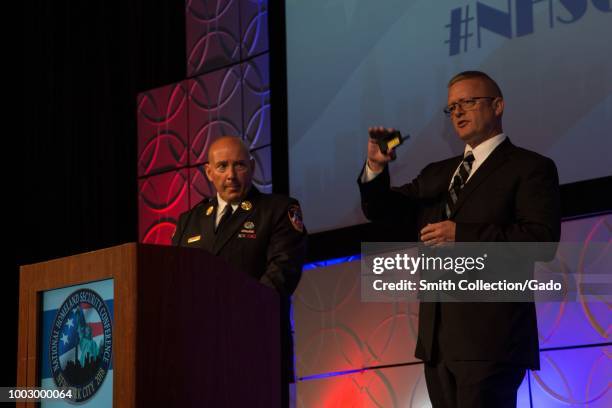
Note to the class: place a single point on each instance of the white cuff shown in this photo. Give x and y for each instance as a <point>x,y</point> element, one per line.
<point>368,174</point>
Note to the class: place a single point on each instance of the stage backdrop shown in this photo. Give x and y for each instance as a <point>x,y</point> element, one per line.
<point>352,64</point>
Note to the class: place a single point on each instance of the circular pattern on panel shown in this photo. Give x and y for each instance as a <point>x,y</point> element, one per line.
<point>262,177</point>
<point>160,195</point>
<point>254,29</point>
<point>554,311</point>
<point>387,342</point>
<point>212,31</point>
<point>161,144</point>
<point>213,99</point>
<point>161,112</point>
<point>161,199</point>
<point>256,90</point>
<point>595,257</point>
<point>567,390</point>
<point>200,186</point>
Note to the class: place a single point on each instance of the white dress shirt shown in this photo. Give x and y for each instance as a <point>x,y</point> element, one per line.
<point>221,203</point>
<point>481,152</point>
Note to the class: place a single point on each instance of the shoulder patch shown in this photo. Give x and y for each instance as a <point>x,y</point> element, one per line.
<point>295,216</point>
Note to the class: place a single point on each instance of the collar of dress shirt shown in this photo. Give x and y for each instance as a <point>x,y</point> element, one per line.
<point>483,150</point>
<point>221,203</point>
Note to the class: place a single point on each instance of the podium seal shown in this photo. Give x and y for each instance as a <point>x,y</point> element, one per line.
<point>81,344</point>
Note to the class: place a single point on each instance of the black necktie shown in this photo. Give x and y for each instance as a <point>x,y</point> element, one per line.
<point>227,213</point>
<point>459,181</point>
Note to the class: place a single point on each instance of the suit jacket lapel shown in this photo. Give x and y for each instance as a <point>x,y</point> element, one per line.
<point>495,159</point>
<point>453,168</point>
<point>440,191</point>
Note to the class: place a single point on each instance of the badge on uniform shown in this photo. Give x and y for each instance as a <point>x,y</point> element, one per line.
<point>195,238</point>
<point>209,210</point>
<point>246,205</point>
<point>248,230</point>
<point>295,216</point>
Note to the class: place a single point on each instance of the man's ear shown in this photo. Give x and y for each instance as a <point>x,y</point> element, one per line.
<point>499,106</point>
<point>208,170</point>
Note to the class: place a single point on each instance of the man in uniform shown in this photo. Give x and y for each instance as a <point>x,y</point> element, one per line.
<point>260,234</point>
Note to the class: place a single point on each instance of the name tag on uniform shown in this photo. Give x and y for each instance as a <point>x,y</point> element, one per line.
<point>195,238</point>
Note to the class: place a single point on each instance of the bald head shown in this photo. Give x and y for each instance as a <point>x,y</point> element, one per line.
<point>225,142</point>
<point>230,168</point>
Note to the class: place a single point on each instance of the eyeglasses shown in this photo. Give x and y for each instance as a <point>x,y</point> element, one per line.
<point>465,104</point>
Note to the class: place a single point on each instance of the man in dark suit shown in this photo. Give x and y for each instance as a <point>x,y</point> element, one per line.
<point>475,354</point>
<point>260,234</point>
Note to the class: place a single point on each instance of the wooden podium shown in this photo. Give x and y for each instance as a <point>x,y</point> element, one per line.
<point>187,329</point>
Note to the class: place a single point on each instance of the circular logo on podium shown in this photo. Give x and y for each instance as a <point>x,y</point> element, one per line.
<point>81,344</point>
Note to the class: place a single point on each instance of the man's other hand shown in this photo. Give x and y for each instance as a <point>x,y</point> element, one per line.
<point>439,233</point>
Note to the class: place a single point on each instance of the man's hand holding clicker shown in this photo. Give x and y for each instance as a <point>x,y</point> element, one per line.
<point>377,160</point>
